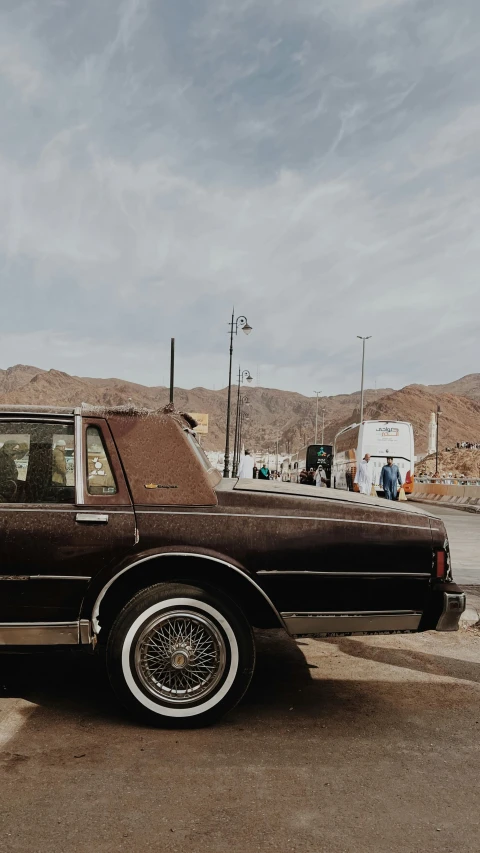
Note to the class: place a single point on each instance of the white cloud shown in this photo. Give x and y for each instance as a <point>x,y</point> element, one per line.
<point>18,71</point>
<point>313,172</point>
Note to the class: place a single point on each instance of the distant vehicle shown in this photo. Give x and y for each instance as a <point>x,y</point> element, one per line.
<point>380,439</point>
<point>320,455</point>
<point>308,457</point>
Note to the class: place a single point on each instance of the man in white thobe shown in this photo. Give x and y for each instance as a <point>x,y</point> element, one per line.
<point>364,476</point>
<point>245,469</point>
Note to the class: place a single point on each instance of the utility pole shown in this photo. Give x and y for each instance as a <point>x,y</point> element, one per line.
<point>436,450</point>
<point>234,325</point>
<point>363,372</point>
<point>316,416</point>
<point>323,425</point>
<point>242,375</point>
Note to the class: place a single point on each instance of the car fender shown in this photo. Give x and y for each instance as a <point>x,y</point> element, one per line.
<point>91,606</point>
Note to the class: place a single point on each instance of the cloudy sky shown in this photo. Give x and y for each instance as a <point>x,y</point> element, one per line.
<point>316,163</point>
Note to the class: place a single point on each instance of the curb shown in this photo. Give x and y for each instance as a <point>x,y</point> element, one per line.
<point>462,507</point>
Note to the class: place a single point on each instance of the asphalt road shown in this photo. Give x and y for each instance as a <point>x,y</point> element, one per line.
<point>348,745</point>
<point>463,530</point>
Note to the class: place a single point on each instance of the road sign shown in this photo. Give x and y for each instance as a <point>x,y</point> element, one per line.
<point>202,423</point>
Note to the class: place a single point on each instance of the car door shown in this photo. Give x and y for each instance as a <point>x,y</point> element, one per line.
<point>59,523</point>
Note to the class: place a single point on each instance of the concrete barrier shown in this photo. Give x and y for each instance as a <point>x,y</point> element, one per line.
<point>465,496</point>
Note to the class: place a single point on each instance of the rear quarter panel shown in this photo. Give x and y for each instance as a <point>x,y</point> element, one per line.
<point>306,554</point>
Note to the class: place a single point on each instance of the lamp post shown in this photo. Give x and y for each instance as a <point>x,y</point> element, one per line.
<point>234,324</point>
<point>242,376</point>
<point>436,448</point>
<point>363,371</point>
<point>241,420</point>
<point>316,416</point>
<point>323,425</point>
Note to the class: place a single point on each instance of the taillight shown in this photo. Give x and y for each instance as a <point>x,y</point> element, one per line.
<point>408,478</point>
<point>440,563</point>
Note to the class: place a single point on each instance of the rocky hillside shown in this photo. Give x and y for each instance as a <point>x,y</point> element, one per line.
<point>272,413</point>
<point>456,462</point>
<point>467,386</point>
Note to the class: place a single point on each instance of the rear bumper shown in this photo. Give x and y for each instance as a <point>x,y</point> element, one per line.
<point>454,604</point>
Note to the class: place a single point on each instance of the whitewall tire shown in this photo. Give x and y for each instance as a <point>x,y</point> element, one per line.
<point>179,655</point>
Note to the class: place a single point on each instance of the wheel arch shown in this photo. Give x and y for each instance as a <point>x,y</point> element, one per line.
<point>211,572</point>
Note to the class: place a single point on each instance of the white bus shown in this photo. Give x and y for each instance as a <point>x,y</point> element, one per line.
<point>380,439</point>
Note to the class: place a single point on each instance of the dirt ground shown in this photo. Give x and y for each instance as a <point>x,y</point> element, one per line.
<point>341,745</point>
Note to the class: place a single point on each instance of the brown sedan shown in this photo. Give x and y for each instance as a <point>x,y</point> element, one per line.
<point>116,533</point>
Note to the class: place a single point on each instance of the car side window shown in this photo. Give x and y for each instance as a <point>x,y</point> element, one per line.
<point>36,462</point>
<point>100,479</point>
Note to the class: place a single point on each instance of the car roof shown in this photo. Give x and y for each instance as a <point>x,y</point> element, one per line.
<point>90,410</point>
<point>15,409</point>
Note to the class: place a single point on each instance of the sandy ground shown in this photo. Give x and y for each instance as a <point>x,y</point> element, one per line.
<point>349,744</point>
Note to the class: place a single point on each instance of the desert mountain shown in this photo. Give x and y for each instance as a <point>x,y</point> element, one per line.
<point>272,413</point>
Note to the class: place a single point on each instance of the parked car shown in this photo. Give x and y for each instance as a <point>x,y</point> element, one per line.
<point>154,559</point>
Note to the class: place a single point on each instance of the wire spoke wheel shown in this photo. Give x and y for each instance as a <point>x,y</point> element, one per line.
<point>180,656</point>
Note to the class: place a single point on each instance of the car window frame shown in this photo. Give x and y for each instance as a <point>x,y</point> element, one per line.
<point>119,498</point>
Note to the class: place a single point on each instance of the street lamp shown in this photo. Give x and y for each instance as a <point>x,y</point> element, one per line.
<point>243,416</point>
<point>316,416</point>
<point>323,425</point>
<point>363,371</point>
<point>243,323</point>
<point>243,375</point>
<point>436,449</point>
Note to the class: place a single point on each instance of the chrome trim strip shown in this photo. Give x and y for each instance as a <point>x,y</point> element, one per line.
<point>53,508</point>
<point>453,606</point>
<point>79,488</point>
<point>285,517</point>
<point>96,606</point>
<point>51,419</point>
<point>39,634</point>
<point>92,517</point>
<point>301,572</point>
<point>60,577</point>
<point>347,612</point>
<point>14,577</point>
<point>45,578</point>
<point>349,623</point>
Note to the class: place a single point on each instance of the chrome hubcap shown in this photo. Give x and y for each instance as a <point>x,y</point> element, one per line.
<point>180,656</point>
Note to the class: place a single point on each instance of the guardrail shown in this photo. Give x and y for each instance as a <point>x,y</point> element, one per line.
<point>449,493</point>
<point>449,481</point>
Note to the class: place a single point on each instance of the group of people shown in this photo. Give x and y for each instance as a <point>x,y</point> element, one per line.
<point>313,477</point>
<point>468,445</point>
<point>248,470</point>
<point>390,478</point>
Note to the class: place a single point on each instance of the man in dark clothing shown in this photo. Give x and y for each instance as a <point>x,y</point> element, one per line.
<point>264,473</point>
<point>390,479</point>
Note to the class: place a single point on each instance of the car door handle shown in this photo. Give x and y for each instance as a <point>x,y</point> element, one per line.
<point>92,517</point>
